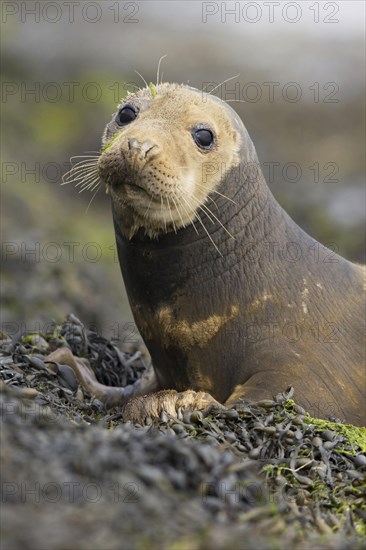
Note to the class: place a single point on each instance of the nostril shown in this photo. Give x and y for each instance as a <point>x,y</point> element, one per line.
<point>143,148</point>
<point>147,146</point>
<point>133,144</point>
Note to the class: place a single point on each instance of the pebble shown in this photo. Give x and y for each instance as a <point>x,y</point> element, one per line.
<point>266,403</point>
<point>67,374</point>
<point>263,436</point>
<point>39,342</point>
<point>360,461</point>
<point>36,362</point>
<point>229,414</point>
<point>255,453</point>
<point>230,437</point>
<point>178,428</point>
<point>196,417</point>
<point>28,393</point>
<point>328,435</point>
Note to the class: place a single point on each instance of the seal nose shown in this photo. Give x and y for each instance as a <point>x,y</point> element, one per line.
<point>136,146</point>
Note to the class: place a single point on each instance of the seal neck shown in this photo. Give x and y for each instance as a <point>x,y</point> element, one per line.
<point>245,219</point>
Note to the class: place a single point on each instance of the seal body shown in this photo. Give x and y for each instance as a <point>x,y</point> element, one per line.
<point>230,296</point>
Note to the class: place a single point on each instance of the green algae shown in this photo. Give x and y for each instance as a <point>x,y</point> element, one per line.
<point>115,136</point>
<point>152,90</point>
<point>355,436</point>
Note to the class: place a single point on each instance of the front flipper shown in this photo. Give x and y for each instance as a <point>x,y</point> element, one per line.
<point>267,384</point>
<point>310,393</point>
<point>139,409</point>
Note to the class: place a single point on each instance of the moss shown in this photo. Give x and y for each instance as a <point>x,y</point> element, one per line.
<point>110,143</point>
<point>29,338</point>
<point>354,436</point>
<point>152,90</point>
<point>325,496</point>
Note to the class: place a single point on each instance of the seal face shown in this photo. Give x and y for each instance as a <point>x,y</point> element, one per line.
<point>157,156</point>
<point>203,248</point>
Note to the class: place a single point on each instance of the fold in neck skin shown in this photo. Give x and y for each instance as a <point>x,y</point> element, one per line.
<point>257,258</point>
<point>261,229</point>
<point>251,216</point>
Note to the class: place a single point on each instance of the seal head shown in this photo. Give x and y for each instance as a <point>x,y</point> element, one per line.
<point>161,157</point>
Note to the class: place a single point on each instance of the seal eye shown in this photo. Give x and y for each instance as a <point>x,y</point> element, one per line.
<point>203,138</point>
<point>126,115</point>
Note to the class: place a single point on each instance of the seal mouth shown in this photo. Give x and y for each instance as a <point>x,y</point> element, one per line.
<point>128,186</point>
<point>136,195</point>
<point>137,188</point>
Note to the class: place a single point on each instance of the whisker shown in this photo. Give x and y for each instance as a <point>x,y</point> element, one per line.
<point>85,160</point>
<point>76,172</point>
<point>208,197</point>
<point>208,190</point>
<point>78,180</point>
<point>85,182</point>
<point>158,71</point>
<point>192,211</point>
<point>78,168</point>
<point>161,210</point>
<point>177,209</point>
<point>85,166</point>
<point>97,183</point>
<point>171,216</point>
<point>89,186</point>
<point>84,178</point>
<point>206,208</point>
<point>221,83</point>
<point>147,209</point>
<point>91,200</point>
<point>212,200</point>
<point>217,192</point>
<point>198,204</point>
<point>207,233</point>
<point>209,213</point>
<point>75,169</point>
<point>140,75</point>
<point>85,156</point>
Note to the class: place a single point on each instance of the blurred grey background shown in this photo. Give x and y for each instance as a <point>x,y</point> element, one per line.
<point>66,65</point>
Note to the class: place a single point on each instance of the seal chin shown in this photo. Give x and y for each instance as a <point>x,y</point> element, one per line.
<point>155,215</point>
<point>137,194</point>
<point>155,210</point>
<point>141,195</point>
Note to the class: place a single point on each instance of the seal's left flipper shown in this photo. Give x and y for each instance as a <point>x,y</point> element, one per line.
<point>111,396</point>
<point>260,386</point>
<point>138,409</point>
